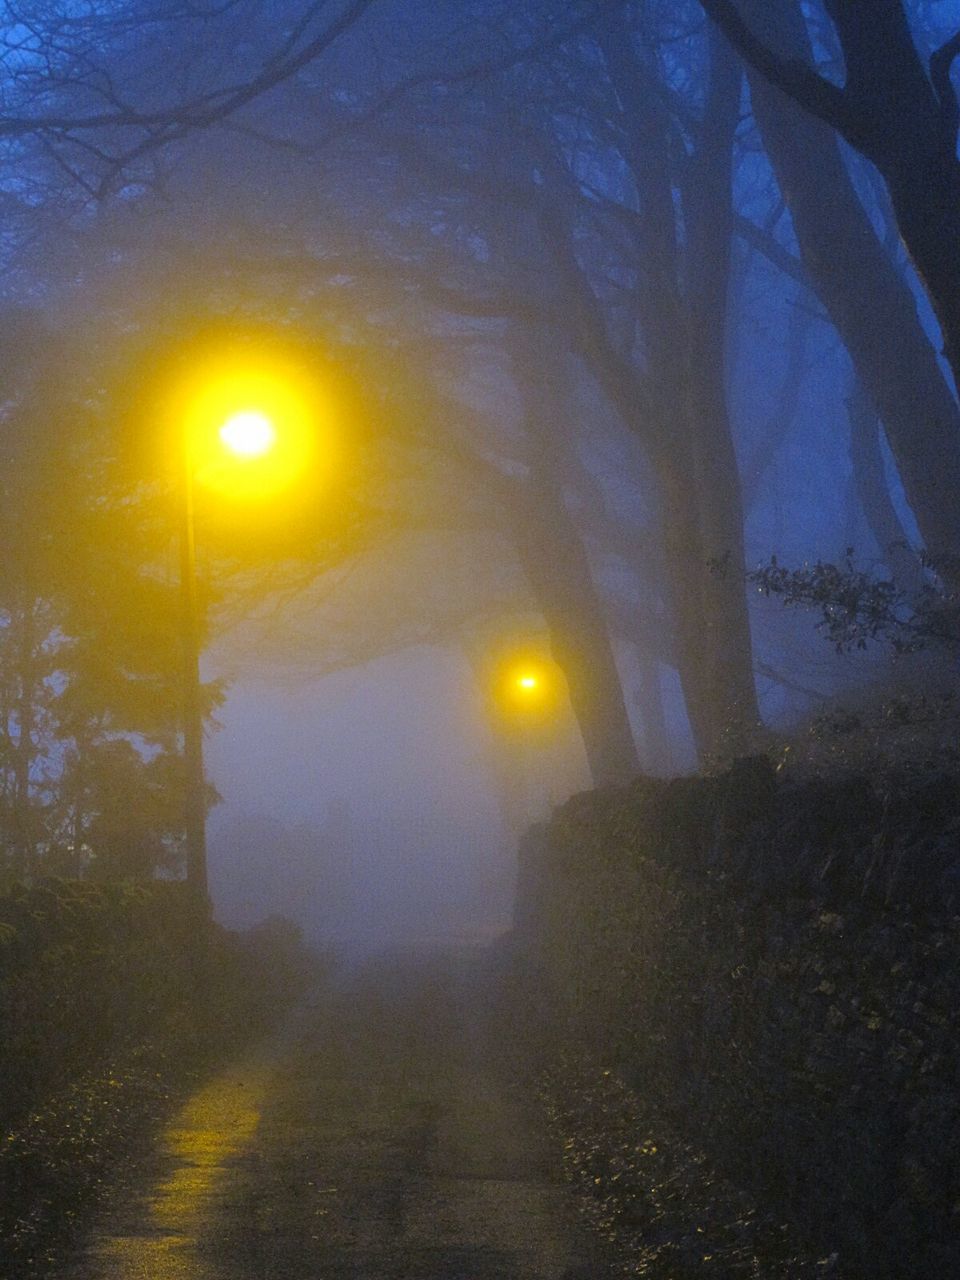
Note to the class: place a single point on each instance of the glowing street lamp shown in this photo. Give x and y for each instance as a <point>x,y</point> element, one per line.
<point>526,689</point>
<point>526,699</point>
<point>247,434</point>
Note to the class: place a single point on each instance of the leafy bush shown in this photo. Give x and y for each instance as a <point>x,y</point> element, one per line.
<point>856,607</point>
<point>896,734</point>
<point>773,968</point>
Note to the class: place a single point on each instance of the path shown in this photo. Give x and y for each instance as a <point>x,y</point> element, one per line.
<point>373,1141</point>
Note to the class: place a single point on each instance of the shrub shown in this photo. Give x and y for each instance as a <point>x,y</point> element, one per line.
<point>774,968</point>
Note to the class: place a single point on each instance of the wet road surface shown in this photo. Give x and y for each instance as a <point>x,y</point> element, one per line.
<point>375,1138</point>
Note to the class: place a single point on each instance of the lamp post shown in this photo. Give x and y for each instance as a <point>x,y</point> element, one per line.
<point>244,436</point>
<point>247,414</point>
<point>195,815</point>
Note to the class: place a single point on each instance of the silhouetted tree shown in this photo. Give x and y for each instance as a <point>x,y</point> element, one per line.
<point>903,117</point>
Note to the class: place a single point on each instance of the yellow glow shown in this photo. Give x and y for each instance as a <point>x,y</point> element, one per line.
<point>200,1147</point>
<point>248,433</point>
<point>253,426</point>
<point>528,688</point>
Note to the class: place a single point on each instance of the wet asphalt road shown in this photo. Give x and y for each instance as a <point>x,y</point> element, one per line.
<point>375,1139</point>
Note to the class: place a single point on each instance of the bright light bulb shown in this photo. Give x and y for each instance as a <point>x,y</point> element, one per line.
<point>527,682</point>
<point>249,434</point>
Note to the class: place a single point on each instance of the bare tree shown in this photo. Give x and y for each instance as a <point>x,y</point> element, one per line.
<point>903,117</point>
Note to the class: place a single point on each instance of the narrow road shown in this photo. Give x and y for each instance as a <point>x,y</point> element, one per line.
<point>375,1139</point>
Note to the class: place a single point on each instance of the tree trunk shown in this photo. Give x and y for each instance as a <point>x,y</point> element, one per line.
<point>657,752</point>
<point>682,306</point>
<point>780,422</point>
<point>925,194</point>
<point>905,121</point>
<point>685,559</point>
<point>556,565</point>
<point>869,303</point>
<point>708,202</point>
<point>873,494</point>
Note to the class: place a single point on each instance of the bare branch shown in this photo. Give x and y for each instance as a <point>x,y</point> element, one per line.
<point>798,81</point>
<point>765,243</point>
<point>201,111</point>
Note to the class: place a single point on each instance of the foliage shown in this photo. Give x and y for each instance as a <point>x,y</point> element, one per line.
<point>112,998</point>
<point>899,736</point>
<point>856,607</point>
<point>89,634</point>
<point>770,968</point>
<point>86,967</point>
<point>662,1208</point>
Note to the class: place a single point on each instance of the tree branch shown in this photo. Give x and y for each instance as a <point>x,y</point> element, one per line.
<point>941,62</point>
<point>201,111</point>
<point>765,243</point>
<point>817,95</point>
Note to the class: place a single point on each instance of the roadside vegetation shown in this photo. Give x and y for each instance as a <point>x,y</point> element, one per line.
<point>748,990</point>
<point>114,1000</point>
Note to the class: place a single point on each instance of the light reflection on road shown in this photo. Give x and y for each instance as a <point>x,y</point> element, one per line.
<point>215,1125</point>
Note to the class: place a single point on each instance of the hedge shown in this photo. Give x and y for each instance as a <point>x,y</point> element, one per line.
<point>774,968</point>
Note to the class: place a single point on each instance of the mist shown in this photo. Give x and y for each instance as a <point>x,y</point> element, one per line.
<point>623,389</point>
<point>364,842</point>
<point>479,635</point>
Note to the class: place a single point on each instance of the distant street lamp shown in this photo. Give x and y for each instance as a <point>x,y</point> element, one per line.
<point>526,695</point>
<point>526,689</point>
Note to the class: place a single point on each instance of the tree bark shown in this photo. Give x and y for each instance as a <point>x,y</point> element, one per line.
<point>682,303</point>
<point>905,121</point>
<point>556,565</point>
<point>873,494</point>
<point>869,303</point>
<point>558,569</point>
<point>709,205</point>
<point>657,752</point>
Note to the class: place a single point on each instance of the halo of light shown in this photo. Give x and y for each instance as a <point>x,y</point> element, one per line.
<point>527,689</point>
<point>255,425</point>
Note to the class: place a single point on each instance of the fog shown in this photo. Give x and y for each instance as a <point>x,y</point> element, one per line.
<point>363,838</point>
<point>608,383</point>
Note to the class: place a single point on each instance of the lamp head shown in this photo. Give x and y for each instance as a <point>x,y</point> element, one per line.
<point>254,426</point>
<point>248,434</point>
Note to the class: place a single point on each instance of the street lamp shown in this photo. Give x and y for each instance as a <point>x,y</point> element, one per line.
<point>526,689</point>
<point>526,695</point>
<point>247,433</point>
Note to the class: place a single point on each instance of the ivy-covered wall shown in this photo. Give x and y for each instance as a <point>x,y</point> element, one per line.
<point>776,968</point>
